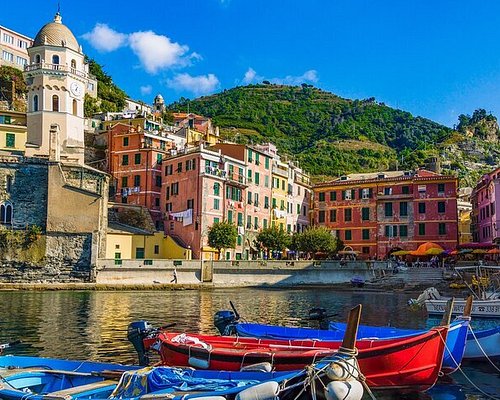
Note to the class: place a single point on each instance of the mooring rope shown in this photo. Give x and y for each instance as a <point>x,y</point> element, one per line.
<point>482,350</point>
<point>459,368</point>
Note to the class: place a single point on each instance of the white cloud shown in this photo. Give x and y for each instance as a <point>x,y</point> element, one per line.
<point>158,52</point>
<point>105,39</point>
<point>251,76</point>
<point>155,52</point>
<point>308,76</point>
<point>201,84</point>
<point>146,89</point>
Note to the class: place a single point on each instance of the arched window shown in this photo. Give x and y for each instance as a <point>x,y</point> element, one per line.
<point>75,107</point>
<point>35,102</point>
<point>73,64</point>
<point>6,212</point>
<point>55,102</point>
<point>37,59</point>
<point>8,183</point>
<point>55,59</point>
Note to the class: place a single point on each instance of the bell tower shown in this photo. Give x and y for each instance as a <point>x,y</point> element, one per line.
<point>57,78</point>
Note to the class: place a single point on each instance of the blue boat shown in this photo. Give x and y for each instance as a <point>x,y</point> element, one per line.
<point>37,378</point>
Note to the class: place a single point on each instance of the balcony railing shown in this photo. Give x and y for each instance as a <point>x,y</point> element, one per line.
<point>57,67</point>
<point>279,171</point>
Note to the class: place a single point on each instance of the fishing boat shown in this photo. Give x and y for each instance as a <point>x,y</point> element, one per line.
<point>482,282</point>
<point>228,323</point>
<point>39,378</point>
<point>33,377</point>
<point>483,344</point>
<point>411,363</point>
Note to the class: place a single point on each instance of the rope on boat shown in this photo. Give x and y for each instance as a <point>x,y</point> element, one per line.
<point>314,374</point>
<point>459,368</point>
<point>482,350</point>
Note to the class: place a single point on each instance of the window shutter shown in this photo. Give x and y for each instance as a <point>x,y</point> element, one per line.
<point>360,191</point>
<point>343,194</point>
<point>370,193</point>
<point>353,194</point>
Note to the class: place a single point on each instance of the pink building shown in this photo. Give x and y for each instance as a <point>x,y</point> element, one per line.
<point>256,195</point>
<point>485,219</point>
<point>201,187</point>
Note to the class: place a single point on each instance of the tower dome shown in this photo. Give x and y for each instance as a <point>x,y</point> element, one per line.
<point>159,99</point>
<point>56,34</point>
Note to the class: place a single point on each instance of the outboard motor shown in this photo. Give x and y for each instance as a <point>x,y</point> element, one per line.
<point>319,314</point>
<point>224,322</point>
<point>136,332</point>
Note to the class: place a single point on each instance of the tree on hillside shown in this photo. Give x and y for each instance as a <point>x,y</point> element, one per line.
<point>13,87</point>
<point>316,240</point>
<point>273,239</point>
<point>110,97</point>
<point>222,235</point>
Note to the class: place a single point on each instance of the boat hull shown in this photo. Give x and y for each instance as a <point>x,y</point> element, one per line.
<point>455,341</point>
<point>483,342</point>
<point>394,364</point>
<point>480,308</point>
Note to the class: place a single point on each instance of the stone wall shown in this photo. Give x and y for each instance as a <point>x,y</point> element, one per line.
<point>24,185</point>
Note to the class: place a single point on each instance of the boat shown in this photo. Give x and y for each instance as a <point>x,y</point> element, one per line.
<point>228,323</point>
<point>357,281</point>
<point>410,364</point>
<point>480,280</point>
<point>39,378</point>
<point>483,344</point>
<point>24,377</point>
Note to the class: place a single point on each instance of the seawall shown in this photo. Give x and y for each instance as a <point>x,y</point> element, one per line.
<point>232,273</point>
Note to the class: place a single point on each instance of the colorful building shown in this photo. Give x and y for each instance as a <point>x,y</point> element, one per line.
<point>13,132</point>
<point>486,209</point>
<point>199,188</point>
<point>135,158</point>
<point>377,213</point>
<point>256,194</point>
<point>299,199</point>
<point>14,48</point>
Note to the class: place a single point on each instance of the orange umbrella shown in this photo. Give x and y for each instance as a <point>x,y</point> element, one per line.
<point>494,251</point>
<point>424,248</point>
<point>454,253</point>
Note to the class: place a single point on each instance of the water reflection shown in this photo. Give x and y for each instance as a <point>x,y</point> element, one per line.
<point>92,325</point>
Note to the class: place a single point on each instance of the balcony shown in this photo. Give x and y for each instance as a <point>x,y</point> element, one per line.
<point>58,68</point>
<point>279,171</point>
<point>383,196</point>
<point>238,180</point>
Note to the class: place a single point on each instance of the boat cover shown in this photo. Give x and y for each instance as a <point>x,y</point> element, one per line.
<point>147,380</point>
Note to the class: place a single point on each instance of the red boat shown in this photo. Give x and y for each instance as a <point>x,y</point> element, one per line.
<point>412,363</point>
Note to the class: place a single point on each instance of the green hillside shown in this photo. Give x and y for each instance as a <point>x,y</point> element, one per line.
<point>329,135</point>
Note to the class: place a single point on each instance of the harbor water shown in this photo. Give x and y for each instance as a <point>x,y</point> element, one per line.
<point>92,324</point>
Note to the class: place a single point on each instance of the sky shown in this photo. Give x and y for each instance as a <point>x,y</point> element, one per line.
<point>433,58</point>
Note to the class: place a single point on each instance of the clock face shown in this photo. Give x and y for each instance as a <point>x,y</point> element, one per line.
<point>76,89</point>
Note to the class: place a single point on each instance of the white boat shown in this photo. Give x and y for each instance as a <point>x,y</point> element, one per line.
<point>480,280</point>
<point>480,308</point>
<point>482,344</point>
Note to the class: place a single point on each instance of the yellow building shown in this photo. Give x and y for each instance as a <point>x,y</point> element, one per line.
<point>125,242</point>
<point>464,222</point>
<point>279,194</point>
<point>13,131</point>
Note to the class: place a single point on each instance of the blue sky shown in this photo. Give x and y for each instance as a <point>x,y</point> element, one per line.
<point>434,58</point>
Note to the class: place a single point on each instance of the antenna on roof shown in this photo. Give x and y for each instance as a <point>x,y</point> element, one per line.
<point>58,7</point>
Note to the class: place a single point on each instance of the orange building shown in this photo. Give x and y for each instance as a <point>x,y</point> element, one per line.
<point>377,213</point>
<point>135,162</point>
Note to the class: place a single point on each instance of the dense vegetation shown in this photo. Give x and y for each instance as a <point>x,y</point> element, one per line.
<point>109,96</point>
<point>328,134</point>
<point>13,87</point>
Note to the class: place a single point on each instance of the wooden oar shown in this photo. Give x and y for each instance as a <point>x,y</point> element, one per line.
<point>447,312</point>
<point>349,341</point>
<point>468,306</point>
